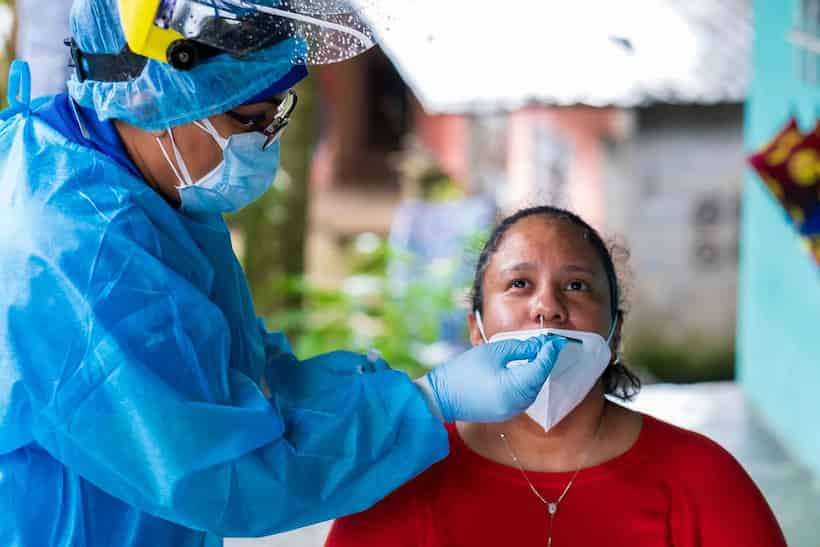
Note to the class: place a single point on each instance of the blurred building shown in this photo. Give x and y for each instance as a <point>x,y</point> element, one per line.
<point>630,116</point>
<point>779,308</point>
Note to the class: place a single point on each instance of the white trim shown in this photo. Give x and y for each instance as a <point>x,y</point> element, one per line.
<point>480,325</point>
<point>804,40</point>
<point>170,163</point>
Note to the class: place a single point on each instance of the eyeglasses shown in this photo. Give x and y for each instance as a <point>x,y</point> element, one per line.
<point>271,123</point>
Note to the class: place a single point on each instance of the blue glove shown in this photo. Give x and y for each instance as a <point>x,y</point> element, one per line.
<point>477,386</point>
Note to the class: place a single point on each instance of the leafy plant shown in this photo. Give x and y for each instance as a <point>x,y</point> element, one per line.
<point>691,360</point>
<point>365,313</point>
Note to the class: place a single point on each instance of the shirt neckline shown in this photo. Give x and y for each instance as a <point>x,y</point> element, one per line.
<point>634,455</point>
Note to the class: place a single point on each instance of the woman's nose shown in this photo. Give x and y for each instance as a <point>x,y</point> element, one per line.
<point>549,309</point>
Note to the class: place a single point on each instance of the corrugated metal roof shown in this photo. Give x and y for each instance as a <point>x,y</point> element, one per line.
<point>469,55</point>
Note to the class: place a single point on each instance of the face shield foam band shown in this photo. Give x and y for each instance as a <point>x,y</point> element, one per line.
<point>160,96</point>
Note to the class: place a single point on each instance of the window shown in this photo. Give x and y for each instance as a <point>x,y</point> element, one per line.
<point>806,40</point>
<point>551,163</point>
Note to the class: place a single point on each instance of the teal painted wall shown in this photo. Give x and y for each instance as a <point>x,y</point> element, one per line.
<point>778,335</point>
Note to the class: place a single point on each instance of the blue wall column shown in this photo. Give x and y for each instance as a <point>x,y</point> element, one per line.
<point>778,336</point>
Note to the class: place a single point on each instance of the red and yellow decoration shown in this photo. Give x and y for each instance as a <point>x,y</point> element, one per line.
<point>790,167</point>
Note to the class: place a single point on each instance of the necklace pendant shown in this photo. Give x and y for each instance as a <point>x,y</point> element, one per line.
<point>552,508</point>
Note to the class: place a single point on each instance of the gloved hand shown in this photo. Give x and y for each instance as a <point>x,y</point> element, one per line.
<point>477,386</point>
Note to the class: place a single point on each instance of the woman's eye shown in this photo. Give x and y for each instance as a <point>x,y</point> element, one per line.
<point>519,284</point>
<point>578,285</point>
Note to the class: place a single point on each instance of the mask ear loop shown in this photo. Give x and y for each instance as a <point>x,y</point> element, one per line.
<point>206,125</point>
<point>168,158</point>
<point>180,162</point>
<point>480,325</point>
<point>182,174</point>
<point>612,328</point>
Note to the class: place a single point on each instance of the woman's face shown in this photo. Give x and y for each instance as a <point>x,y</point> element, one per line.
<point>544,268</point>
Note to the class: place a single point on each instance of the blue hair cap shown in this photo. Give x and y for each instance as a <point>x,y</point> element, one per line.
<point>296,75</point>
<point>162,96</point>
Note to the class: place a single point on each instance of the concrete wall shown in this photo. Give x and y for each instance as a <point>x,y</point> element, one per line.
<point>673,191</point>
<point>779,294</point>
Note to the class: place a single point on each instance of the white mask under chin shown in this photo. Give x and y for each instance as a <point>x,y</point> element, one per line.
<point>580,363</point>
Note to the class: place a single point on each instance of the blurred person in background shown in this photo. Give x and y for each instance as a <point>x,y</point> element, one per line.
<point>40,25</point>
<point>575,469</point>
<point>142,402</point>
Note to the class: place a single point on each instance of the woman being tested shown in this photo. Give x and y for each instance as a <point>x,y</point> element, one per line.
<point>141,401</point>
<point>575,469</point>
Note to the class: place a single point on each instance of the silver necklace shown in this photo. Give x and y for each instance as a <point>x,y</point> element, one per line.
<point>552,506</point>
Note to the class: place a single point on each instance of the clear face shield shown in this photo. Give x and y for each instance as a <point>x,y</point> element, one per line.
<point>329,30</point>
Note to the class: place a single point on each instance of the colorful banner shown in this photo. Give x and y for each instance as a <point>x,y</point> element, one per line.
<point>789,165</point>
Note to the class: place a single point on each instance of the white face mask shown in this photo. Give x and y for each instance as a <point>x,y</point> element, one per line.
<point>581,362</point>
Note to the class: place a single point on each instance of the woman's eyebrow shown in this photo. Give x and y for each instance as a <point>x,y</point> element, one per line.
<point>577,268</point>
<point>518,267</point>
<point>530,266</point>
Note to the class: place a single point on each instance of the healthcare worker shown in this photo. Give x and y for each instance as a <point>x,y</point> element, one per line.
<point>142,402</point>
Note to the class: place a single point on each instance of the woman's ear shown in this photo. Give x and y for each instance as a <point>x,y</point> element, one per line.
<point>475,334</point>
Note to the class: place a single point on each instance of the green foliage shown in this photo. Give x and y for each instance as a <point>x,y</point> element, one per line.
<point>7,54</point>
<point>692,360</point>
<point>364,314</point>
<point>273,229</point>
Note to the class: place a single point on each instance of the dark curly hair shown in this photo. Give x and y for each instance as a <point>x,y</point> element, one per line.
<point>618,380</point>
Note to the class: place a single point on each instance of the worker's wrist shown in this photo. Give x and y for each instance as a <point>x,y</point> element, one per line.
<point>429,395</point>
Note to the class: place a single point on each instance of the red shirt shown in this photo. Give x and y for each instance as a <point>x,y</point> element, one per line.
<point>672,487</point>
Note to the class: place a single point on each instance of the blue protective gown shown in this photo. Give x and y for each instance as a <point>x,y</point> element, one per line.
<point>130,355</point>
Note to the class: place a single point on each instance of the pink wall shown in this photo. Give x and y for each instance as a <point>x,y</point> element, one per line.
<point>343,153</point>
<point>447,137</point>
<point>580,130</point>
<point>343,123</point>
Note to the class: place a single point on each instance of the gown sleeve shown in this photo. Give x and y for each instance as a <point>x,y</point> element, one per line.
<point>393,521</point>
<point>126,366</point>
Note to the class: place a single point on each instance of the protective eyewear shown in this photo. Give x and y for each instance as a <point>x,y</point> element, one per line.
<point>272,123</point>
